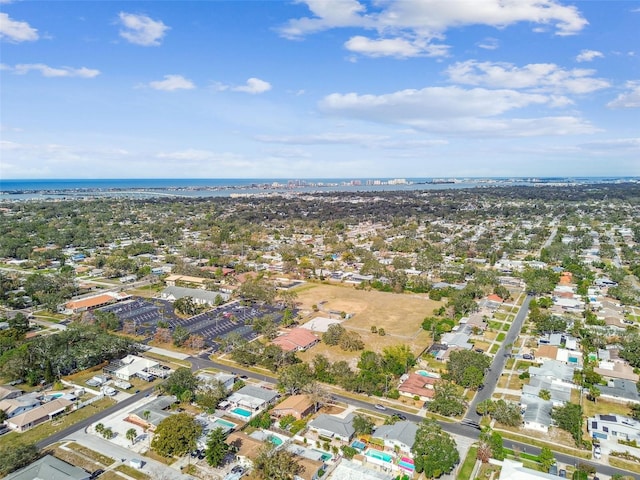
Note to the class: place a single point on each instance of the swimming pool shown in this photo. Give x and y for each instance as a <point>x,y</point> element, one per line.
<point>407,464</point>
<point>277,441</point>
<point>241,412</point>
<point>424,373</point>
<point>218,422</point>
<point>324,456</point>
<point>358,445</point>
<point>378,455</point>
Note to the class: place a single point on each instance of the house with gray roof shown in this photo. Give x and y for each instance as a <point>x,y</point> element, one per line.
<point>553,369</point>
<point>400,435</point>
<point>560,392</point>
<point>537,414</point>
<point>49,468</point>
<point>252,397</point>
<point>620,390</point>
<point>333,427</point>
<point>152,413</point>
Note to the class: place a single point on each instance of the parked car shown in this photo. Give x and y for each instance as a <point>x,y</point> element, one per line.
<point>562,473</point>
<point>597,452</point>
<point>96,474</point>
<point>380,407</point>
<point>526,356</point>
<point>238,469</point>
<point>400,416</point>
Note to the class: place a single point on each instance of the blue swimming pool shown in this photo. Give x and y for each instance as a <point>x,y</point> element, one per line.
<point>378,455</point>
<point>358,445</point>
<point>241,412</point>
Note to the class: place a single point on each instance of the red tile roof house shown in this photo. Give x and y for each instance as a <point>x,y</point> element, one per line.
<point>418,385</point>
<point>295,340</point>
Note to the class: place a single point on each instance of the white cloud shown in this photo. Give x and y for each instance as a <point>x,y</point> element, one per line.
<point>614,144</point>
<point>402,24</point>
<point>588,55</point>
<point>172,82</point>
<point>394,47</point>
<point>253,86</point>
<point>323,139</point>
<point>489,43</point>
<point>537,76</point>
<point>628,99</point>
<point>141,29</point>
<point>454,110</point>
<point>15,30</point>
<point>47,71</point>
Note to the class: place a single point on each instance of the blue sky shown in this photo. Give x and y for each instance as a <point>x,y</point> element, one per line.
<point>319,88</point>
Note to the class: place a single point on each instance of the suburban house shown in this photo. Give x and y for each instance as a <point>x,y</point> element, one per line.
<point>397,437</point>
<point>554,370</point>
<point>49,468</point>
<point>38,415</point>
<point>17,406</point>
<point>560,393</point>
<point>7,392</point>
<point>348,469</point>
<point>225,379</point>
<point>618,426</point>
<point>254,398</point>
<point>620,390</point>
<point>297,405</point>
<point>151,414</point>
<point>514,470</point>
<point>611,366</point>
<point>173,280</point>
<point>414,384</point>
<point>246,448</point>
<point>130,366</point>
<point>537,414</point>
<point>296,340</point>
<point>333,427</point>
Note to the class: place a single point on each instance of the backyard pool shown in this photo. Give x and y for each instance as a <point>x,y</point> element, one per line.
<point>378,455</point>
<point>358,445</point>
<point>324,456</point>
<point>218,422</point>
<point>407,464</point>
<point>277,441</point>
<point>424,373</point>
<point>241,412</point>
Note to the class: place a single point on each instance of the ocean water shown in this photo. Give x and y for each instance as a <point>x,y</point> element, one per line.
<point>15,189</point>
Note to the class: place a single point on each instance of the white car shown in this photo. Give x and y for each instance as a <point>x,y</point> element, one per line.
<point>380,407</point>
<point>597,452</point>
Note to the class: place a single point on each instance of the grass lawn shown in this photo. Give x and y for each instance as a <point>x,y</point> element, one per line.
<point>98,457</point>
<point>49,428</point>
<point>110,475</point>
<point>500,316</point>
<point>132,472</point>
<point>487,470</point>
<point>515,383</point>
<point>495,325</point>
<point>506,326</point>
<point>467,467</point>
<point>400,315</point>
<point>494,348</point>
<point>604,406</point>
<point>624,465</point>
<point>501,336</point>
<point>537,439</point>
<point>76,459</point>
<point>163,358</point>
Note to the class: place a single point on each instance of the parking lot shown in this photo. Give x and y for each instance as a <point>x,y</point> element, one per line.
<point>213,325</point>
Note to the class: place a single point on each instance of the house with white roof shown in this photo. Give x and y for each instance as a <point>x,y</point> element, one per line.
<point>254,398</point>
<point>132,365</point>
<point>617,426</point>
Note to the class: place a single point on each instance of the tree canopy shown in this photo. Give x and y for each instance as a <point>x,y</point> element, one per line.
<point>434,451</point>
<point>176,435</point>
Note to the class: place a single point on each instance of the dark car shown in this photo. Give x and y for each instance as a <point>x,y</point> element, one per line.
<point>562,473</point>
<point>526,356</point>
<point>237,469</point>
<point>400,416</point>
<point>96,474</point>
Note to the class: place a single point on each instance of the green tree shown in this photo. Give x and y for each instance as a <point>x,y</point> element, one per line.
<point>546,459</point>
<point>594,393</point>
<point>217,447</point>
<point>362,424</point>
<point>333,334</point>
<point>19,323</point>
<point>545,394</point>
<point>434,451</point>
<point>209,395</point>
<point>180,335</point>
<point>107,320</point>
<point>462,362</point>
<point>176,435</point>
<point>507,413</point>
<point>569,418</point>
<point>351,341</point>
<point>293,378</point>
<point>397,359</point>
<point>276,464</point>
<point>447,400</point>
<point>17,455</point>
<point>131,435</point>
<point>181,380</point>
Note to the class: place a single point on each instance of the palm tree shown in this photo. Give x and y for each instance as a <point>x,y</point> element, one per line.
<point>131,435</point>
<point>99,428</point>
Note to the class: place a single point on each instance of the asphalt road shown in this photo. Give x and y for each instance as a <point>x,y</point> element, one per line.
<point>497,365</point>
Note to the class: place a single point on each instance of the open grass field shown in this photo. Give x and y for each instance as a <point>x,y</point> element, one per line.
<point>400,316</point>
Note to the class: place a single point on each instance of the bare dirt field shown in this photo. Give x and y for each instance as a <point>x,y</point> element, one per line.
<point>399,315</point>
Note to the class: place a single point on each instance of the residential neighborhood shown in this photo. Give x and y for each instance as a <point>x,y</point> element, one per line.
<point>502,333</point>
